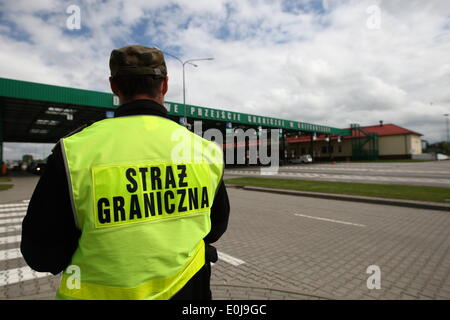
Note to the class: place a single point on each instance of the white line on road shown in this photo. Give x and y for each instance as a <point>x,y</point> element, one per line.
<point>326,176</point>
<point>11,228</point>
<point>10,254</point>
<point>21,209</point>
<point>229,259</point>
<point>364,169</point>
<point>10,239</point>
<point>14,214</point>
<point>16,275</point>
<point>11,205</point>
<point>330,220</point>
<point>17,220</point>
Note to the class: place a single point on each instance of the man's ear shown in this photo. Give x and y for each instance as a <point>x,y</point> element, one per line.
<point>113,86</point>
<point>165,86</point>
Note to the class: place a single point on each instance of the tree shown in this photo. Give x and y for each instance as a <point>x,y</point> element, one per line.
<point>439,147</point>
<point>27,158</point>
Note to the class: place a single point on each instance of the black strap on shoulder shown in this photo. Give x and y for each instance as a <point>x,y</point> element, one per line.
<point>80,128</point>
<point>76,130</point>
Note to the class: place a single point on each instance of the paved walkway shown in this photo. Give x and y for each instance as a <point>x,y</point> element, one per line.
<point>291,247</point>
<point>20,282</point>
<point>325,247</point>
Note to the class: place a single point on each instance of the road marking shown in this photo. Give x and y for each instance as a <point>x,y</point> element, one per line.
<point>18,209</point>
<point>16,275</point>
<point>330,220</point>
<point>15,214</point>
<point>370,169</point>
<point>229,259</point>
<point>11,220</point>
<point>326,176</point>
<point>10,254</point>
<point>11,205</point>
<point>10,239</point>
<point>11,228</point>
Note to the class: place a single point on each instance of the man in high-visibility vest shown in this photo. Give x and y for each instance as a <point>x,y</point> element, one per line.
<point>127,207</point>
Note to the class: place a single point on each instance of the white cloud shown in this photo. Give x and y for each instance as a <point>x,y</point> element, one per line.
<point>315,62</point>
<point>15,151</point>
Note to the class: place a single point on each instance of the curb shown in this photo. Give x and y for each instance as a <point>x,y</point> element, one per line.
<point>341,197</point>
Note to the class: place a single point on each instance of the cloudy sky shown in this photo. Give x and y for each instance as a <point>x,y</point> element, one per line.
<point>331,62</point>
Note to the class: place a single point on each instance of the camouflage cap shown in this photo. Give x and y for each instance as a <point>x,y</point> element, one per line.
<point>137,60</point>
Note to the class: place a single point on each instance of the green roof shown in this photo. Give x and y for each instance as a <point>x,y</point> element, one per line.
<point>19,97</point>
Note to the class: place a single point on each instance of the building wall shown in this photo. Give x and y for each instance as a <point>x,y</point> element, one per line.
<point>393,145</point>
<point>416,144</point>
<point>398,145</point>
<point>342,149</point>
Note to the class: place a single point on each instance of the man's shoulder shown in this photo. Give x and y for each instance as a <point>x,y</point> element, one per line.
<point>79,129</point>
<point>86,128</point>
<point>57,147</point>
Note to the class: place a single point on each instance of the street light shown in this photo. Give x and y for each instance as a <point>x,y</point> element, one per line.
<point>448,133</point>
<point>183,63</point>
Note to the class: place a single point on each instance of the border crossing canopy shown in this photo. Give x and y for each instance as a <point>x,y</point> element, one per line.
<point>35,112</point>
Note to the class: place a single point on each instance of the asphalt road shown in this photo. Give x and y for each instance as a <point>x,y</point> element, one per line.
<point>23,187</point>
<point>435,173</point>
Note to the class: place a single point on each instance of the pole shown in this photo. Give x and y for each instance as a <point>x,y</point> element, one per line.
<point>1,135</point>
<point>183,63</point>
<point>448,134</point>
<point>329,148</point>
<point>184,96</point>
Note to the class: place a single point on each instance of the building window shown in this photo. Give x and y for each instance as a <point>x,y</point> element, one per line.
<point>324,149</point>
<point>303,150</point>
<point>340,149</point>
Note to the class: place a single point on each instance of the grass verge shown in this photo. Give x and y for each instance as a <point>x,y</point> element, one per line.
<point>5,179</point>
<point>5,186</point>
<point>387,161</point>
<point>418,193</point>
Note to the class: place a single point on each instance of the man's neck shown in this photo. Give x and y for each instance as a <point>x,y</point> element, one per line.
<point>159,100</point>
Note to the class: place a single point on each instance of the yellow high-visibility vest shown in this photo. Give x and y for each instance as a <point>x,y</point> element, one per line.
<point>142,188</point>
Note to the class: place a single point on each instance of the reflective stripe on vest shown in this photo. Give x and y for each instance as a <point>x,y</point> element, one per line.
<point>142,188</point>
<point>156,289</point>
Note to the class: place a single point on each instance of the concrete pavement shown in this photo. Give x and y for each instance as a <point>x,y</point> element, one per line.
<point>291,247</point>
<point>324,247</point>
<point>19,282</point>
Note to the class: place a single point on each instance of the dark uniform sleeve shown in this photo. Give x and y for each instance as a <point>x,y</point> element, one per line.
<point>49,234</point>
<point>220,212</point>
<point>198,287</point>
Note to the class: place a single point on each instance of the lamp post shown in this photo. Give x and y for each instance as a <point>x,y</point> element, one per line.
<point>328,139</point>
<point>448,133</point>
<point>183,63</point>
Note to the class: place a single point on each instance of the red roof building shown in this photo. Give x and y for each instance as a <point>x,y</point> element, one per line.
<point>389,130</point>
<point>394,142</point>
